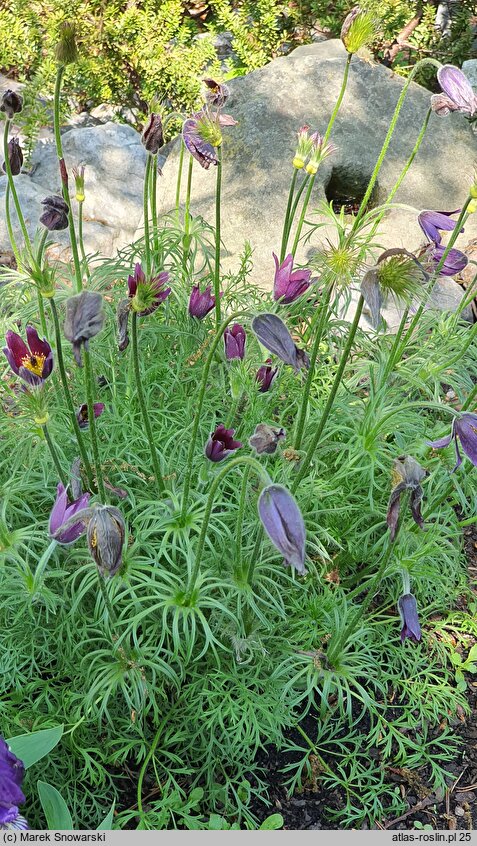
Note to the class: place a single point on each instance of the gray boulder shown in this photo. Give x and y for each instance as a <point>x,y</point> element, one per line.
<point>270,105</point>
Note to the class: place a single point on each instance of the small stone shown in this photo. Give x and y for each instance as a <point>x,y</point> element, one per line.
<point>458,811</point>
<point>468,796</point>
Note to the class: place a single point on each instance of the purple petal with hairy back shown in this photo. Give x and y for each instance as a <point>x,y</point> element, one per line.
<point>11,360</point>
<point>454,262</point>
<point>57,516</point>
<point>17,347</point>
<point>284,525</point>
<point>433,221</point>
<point>407,607</point>
<point>455,84</point>
<point>29,377</point>
<point>274,335</point>
<point>466,431</point>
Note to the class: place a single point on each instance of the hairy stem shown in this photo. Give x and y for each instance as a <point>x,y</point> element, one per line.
<point>186,237</point>
<point>218,193</point>
<point>8,221</point>
<point>287,215</point>
<point>54,455</point>
<point>311,371</point>
<point>89,384</point>
<point>179,180</point>
<point>8,170</point>
<point>155,234</point>
<point>147,245</point>
<point>144,412</point>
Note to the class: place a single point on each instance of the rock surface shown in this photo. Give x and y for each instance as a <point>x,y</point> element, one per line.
<point>270,104</point>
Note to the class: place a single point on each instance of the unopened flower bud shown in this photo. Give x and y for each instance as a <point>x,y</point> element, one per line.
<point>15,157</point>
<point>11,103</point>
<point>283,522</point>
<point>358,30</point>
<point>66,50</point>
<point>105,537</point>
<point>152,136</point>
<point>303,148</point>
<point>78,173</point>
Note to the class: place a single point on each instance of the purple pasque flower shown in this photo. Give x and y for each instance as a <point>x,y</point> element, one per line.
<point>221,444</point>
<point>454,262</point>
<point>216,93</point>
<point>202,135</point>
<point>407,476</point>
<point>289,284</point>
<point>201,302</point>
<point>433,221</point>
<point>458,94</point>
<point>33,363</point>
<point>283,522</point>
<point>12,771</point>
<point>82,413</point>
<point>147,294</point>
<point>62,511</point>
<point>265,376</point>
<point>407,607</point>
<point>464,429</point>
<point>272,333</point>
<point>234,342</point>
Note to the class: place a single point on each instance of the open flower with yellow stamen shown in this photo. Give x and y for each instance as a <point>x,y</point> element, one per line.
<point>33,363</point>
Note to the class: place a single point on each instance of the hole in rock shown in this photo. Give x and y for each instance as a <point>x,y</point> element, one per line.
<point>347,188</point>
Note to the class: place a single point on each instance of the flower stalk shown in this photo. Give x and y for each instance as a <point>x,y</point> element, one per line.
<point>309,378</point>
<point>54,454</point>
<point>218,192</point>
<point>89,382</point>
<point>13,191</point>
<point>147,245</point>
<point>144,412</point>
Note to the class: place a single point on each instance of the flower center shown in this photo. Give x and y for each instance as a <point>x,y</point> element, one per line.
<point>34,363</point>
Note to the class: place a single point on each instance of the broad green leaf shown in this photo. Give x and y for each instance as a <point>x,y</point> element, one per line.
<point>472,656</point>
<point>32,747</point>
<point>456,659</point>
<point>272,823</point>
<point>107,824</point>
<point>54,807</point>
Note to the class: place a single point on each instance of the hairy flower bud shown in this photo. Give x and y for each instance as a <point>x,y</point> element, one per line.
<point>11,103</point>
<point>78,173</point>
<point>66,50</point>
<point>152,136</point>
<point>84,319</point>
<point>15,157</point>
<point>283,522</point>
<point>105,537</point>
<point>274,335</point>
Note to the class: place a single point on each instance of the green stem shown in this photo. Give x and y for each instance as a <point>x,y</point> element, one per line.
<point>89,383</point>
<point>8,220</point>
<point>218,193</point>
<point>325,139</point>
<point>287,215</point>
<point>13,190</point>
<point>254,558</point>
<point>334,389</point>
<point>147,245</point>
<point>240,516</point>
<point>294,207</point>
<point>64,178</point>
<point>336,648</point>
<point>311,371</point>
<point>41,310</point>
<point>107,601</point>
<point>54,455</point>
<point>148,757</point>
<point>387,140</point>
<point>179,180</point>
<point>80,239</point>
<point>68,397</point>
<point>186,238</point>
<point>231,464</point>
<point>200,401</point>
<point>143,406</point>
<point>41,566</point>
<point>155,234</point>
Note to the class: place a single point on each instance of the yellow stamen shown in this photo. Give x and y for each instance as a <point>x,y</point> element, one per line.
<point>34,363</point>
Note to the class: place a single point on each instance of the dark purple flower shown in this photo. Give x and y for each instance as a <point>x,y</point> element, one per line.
<point>152,135</point>
<point>284,525</point>
<point>407,476</point>
<point>12,771</point>
<point>464,428</point>
<point>288,284</point>
<point>234,342</point>
<point>201,302</point>
<point>55,216</point>
<point>274,335</point>
<point>407,608</point>
<point>266,375</point>
<point>15,157</point>
<point>82,413</point>
<point>34,362</point>
<point>216,93</point>
<point>458,93</point>
<point>62,511</point>
<point>433,221</point>
<point>147,295</point>
<point>202,150</point>
<point>11,103</point>
<point>105,536</point>
<point>454,262</point>
<point>221,444</point>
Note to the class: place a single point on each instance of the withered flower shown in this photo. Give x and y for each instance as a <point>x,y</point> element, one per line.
<point>84,319</point>
<point>55,216</point>
<point>11,103</point>
<point>105,536</point>
<point>152,135</point>
<point>15,157</point>
<point>266,438</point>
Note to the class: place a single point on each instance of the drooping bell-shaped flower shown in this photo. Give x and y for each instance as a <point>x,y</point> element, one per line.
<point>55,215</point>
<point>289,284</point>
<point>407,476</point>
<point>433,223</point>
<point>407,607</point>
<point>274,335</point>
<point>152,135</point>
<point>221,444</point>
<point>147,294</point>
<point>12,771</point>
<point>15,157</point>
<point>234,342</point>
<point>84,319</point>
<point>122,317</point>
<point>464,429</point>
<point>216,93</point>
<point>454,262</point>
<point>458,94</point>
<point>62,511</point>
<point>265,376</point>
<point>202,135</point>
<point>33,363</point>
<point>11,103</point>
<point>283,522</point>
